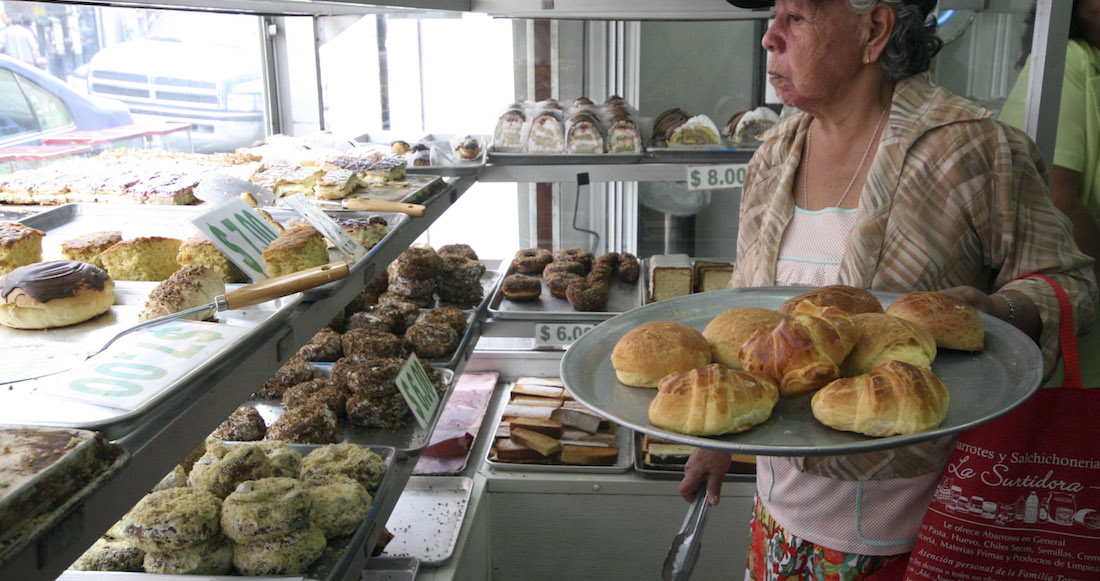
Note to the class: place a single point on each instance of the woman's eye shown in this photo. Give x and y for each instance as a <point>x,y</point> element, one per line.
<point>795,18</point>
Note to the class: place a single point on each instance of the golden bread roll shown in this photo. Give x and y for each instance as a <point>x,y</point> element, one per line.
<point>651,351</point>
<point>954,323</point>
<point>727,332</point>
<point>850,299</point>
<point>712,400</point>
<point>885,338</point>
<point>804,351</point>
<point>56,293</point>
<point>894,398</point>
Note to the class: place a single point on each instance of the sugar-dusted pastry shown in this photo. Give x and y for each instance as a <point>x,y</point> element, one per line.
<point>699,130</point>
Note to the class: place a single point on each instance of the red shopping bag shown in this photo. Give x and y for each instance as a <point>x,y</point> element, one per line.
<point>1020,498</point>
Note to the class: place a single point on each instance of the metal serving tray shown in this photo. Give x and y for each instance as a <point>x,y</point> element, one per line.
<point>623,439</point>
<point>428,517</point>
<point>408,440</point>
<point>624,297</point>
<point>983,385</point>
<point>333,563</point>
<point>61,348</point>
<point>445,162</point>
<point>506,158</point>
<point>701,154</point>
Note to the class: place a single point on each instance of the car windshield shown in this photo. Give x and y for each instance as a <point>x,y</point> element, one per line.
<point>224,29</point>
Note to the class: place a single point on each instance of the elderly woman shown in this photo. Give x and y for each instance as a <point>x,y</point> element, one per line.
<point>884,181</point>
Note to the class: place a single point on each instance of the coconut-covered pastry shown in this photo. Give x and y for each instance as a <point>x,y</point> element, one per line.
<point>506,136</point>
<point>745,127</point>
<point>698,130</point>
<point>546,134</point>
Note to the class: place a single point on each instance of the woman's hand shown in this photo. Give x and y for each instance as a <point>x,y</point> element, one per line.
<point>708,466</point>
<point>1001,304</point>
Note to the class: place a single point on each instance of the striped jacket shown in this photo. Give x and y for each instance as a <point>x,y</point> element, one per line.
<point>953,197</point>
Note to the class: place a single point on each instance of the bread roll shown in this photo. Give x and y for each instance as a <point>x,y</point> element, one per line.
<point>804,351</point>
<point>727,332</point>
<point>954,323</point>
<point>651,351</point>
<point>849,299</point>
<point>712,400</point>
<point>894,398</point>
<point>885,338</point>
<point>56,293</point>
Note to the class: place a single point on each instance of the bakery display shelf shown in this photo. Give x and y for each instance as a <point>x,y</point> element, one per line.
<point>427,518</point>
<point>445,161</point>
<point>391,569</point>
<point>413,189</point>
<point>623,441</point>
<point>983,385</point>
<point>522,158</point>
<point>738,472</point>
<point>645,274</point>
<point>624,297</point>
<point>704,154</point>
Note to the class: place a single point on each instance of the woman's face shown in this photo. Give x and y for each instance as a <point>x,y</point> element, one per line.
<point>814,46</point>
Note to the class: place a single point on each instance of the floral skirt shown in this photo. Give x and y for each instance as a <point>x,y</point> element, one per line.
<point>777,555</point>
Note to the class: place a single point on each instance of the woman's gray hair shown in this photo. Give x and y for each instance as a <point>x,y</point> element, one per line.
<point>913,43</point>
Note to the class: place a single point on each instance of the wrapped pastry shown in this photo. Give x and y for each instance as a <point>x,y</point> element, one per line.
<point>507,135</point>
<point>583,134</point>
<point>546,134</point>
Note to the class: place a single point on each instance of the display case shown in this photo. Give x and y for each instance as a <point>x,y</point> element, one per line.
<point>636,50</point>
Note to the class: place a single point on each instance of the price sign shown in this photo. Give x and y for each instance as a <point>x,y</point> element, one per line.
<point>142,364</point>
<point>420,394</point>
<point>240,234</point>
<point>559,334</point>
<point>327,227</point>
<point>714,177</point>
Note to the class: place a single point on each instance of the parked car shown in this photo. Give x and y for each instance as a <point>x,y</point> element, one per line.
<point>35,104</point>
<point>200,68</point>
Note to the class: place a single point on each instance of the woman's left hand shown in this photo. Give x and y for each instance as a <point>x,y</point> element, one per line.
<point>1026,316</point>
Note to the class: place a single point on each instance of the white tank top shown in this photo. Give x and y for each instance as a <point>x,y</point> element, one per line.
<point>878,517</point>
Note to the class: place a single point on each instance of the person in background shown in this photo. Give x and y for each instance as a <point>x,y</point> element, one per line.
<point>1075,184</point>
<point>888,182</point>
<point>19,42</point>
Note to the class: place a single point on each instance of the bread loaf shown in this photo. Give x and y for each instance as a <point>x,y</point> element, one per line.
<point>885,338</point>
<point>712,400</point>
<point>850,299</point>
<point>894,398</point>
<point>804,351</point>
<point>540,443</point>
<point>953,323</point>
<point>651,351</point>
<point>727,332</point>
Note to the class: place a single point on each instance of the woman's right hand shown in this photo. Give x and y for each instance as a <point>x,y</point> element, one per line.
<point>708,466</point>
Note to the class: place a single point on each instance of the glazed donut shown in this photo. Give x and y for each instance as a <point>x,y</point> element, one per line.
<point>564,266</point>
<point>628,267</point>
<point>532,260</point>
<point>601,271</point>
<point>611,258</point>
<point>574,255</point>
<point>521,287</point>
<point>588,296</point>
<point>265,509</point>
<point>559,281</point>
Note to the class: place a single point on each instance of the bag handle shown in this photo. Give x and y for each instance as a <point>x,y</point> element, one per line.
<point>1067,333</point>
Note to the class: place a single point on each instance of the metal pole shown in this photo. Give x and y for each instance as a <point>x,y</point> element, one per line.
<point>1048,63</point>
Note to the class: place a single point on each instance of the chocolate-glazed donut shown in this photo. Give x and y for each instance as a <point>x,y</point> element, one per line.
<point>532,260</point>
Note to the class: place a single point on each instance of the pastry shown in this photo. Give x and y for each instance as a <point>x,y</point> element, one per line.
<point>288,555</point>
<point>623,137</point>
<point>521,287</point>
<point>583,134</point>
<point>265,509</point>
<point>213,556</point>
<point>313,423</point>
<point>222,468</point>
<point>19,246</point>
<point>667,122</point>
<point>245,424</point>
<point>588,295</point>
<point>532,260</point>
<point>352,460</point>
<point>294,371</point>
<point>285,461</point>
<point>108,554</point>
<point>670,275</point>
<point>712,400</point>
<point>744,128</point>
<point>727,332</point>
<point>146,258</point>
<point>51,294</point>
<point>321,390</point>
<point>468,148</point>
<point>850,299</point>
<point>368,232</point>
<point>431,340</point>
<point>399,147</point>
<point>325,346</point>
<point>698,130</point>
<point>954,323</point>
<point>507,135</point>
<point>451,316</point>
<point>295,249</point>
<point>87,248</point>
<point>460,249</point>
<point>884,338</point>
<point>649,352</point>
<point>711,275</point>
<point>189,287</point>
<point>804,351</point>
<point>546,134</point>
<point>172,519</point>
<point>335,184</point>
<point>340,504</point>
<point>893,398</point>
<point>574,255</point>
<point>199,250</point>
<point>373,342</point>
<point>560,281</point>
<point>628,267</point>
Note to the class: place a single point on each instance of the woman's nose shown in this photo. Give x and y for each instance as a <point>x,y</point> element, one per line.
<point>772,40</point>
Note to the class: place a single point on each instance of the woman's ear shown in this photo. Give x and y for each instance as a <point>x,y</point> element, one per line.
<point>880,21</point>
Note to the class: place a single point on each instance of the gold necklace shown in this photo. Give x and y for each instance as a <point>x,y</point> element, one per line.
<point>806,173</point>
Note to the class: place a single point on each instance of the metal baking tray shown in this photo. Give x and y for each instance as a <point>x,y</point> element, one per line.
<point>427,518</point>
<point>506,158</point>
<point>702,154</point>
<point>42,524</point>
<point>333,563</point>
<point>983,385</point>
<point>390,569</point>
<point>738,471</point>
<point>445,162</point>
<point>415,188</point>
<point>61,348</point>
<point>623,439</point>
<point>624,297</point>
<point>409,440</point>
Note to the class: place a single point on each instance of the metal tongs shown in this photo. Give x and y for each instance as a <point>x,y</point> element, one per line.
<point>681,558</point>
